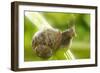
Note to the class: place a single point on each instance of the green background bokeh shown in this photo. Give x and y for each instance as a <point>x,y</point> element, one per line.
<point>81,44</point>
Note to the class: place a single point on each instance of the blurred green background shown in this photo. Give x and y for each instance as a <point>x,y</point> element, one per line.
<point>81,44</point>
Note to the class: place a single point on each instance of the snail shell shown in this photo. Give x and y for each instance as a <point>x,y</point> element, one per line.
<point>45,42</point>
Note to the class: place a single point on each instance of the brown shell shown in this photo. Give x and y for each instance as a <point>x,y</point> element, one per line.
<point>45,42</point>
<point>49,38</point>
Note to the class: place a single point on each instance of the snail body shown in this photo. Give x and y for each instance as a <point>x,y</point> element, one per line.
<point>47,41</point>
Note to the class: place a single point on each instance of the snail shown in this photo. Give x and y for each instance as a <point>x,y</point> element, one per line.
<point>47,41</point>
